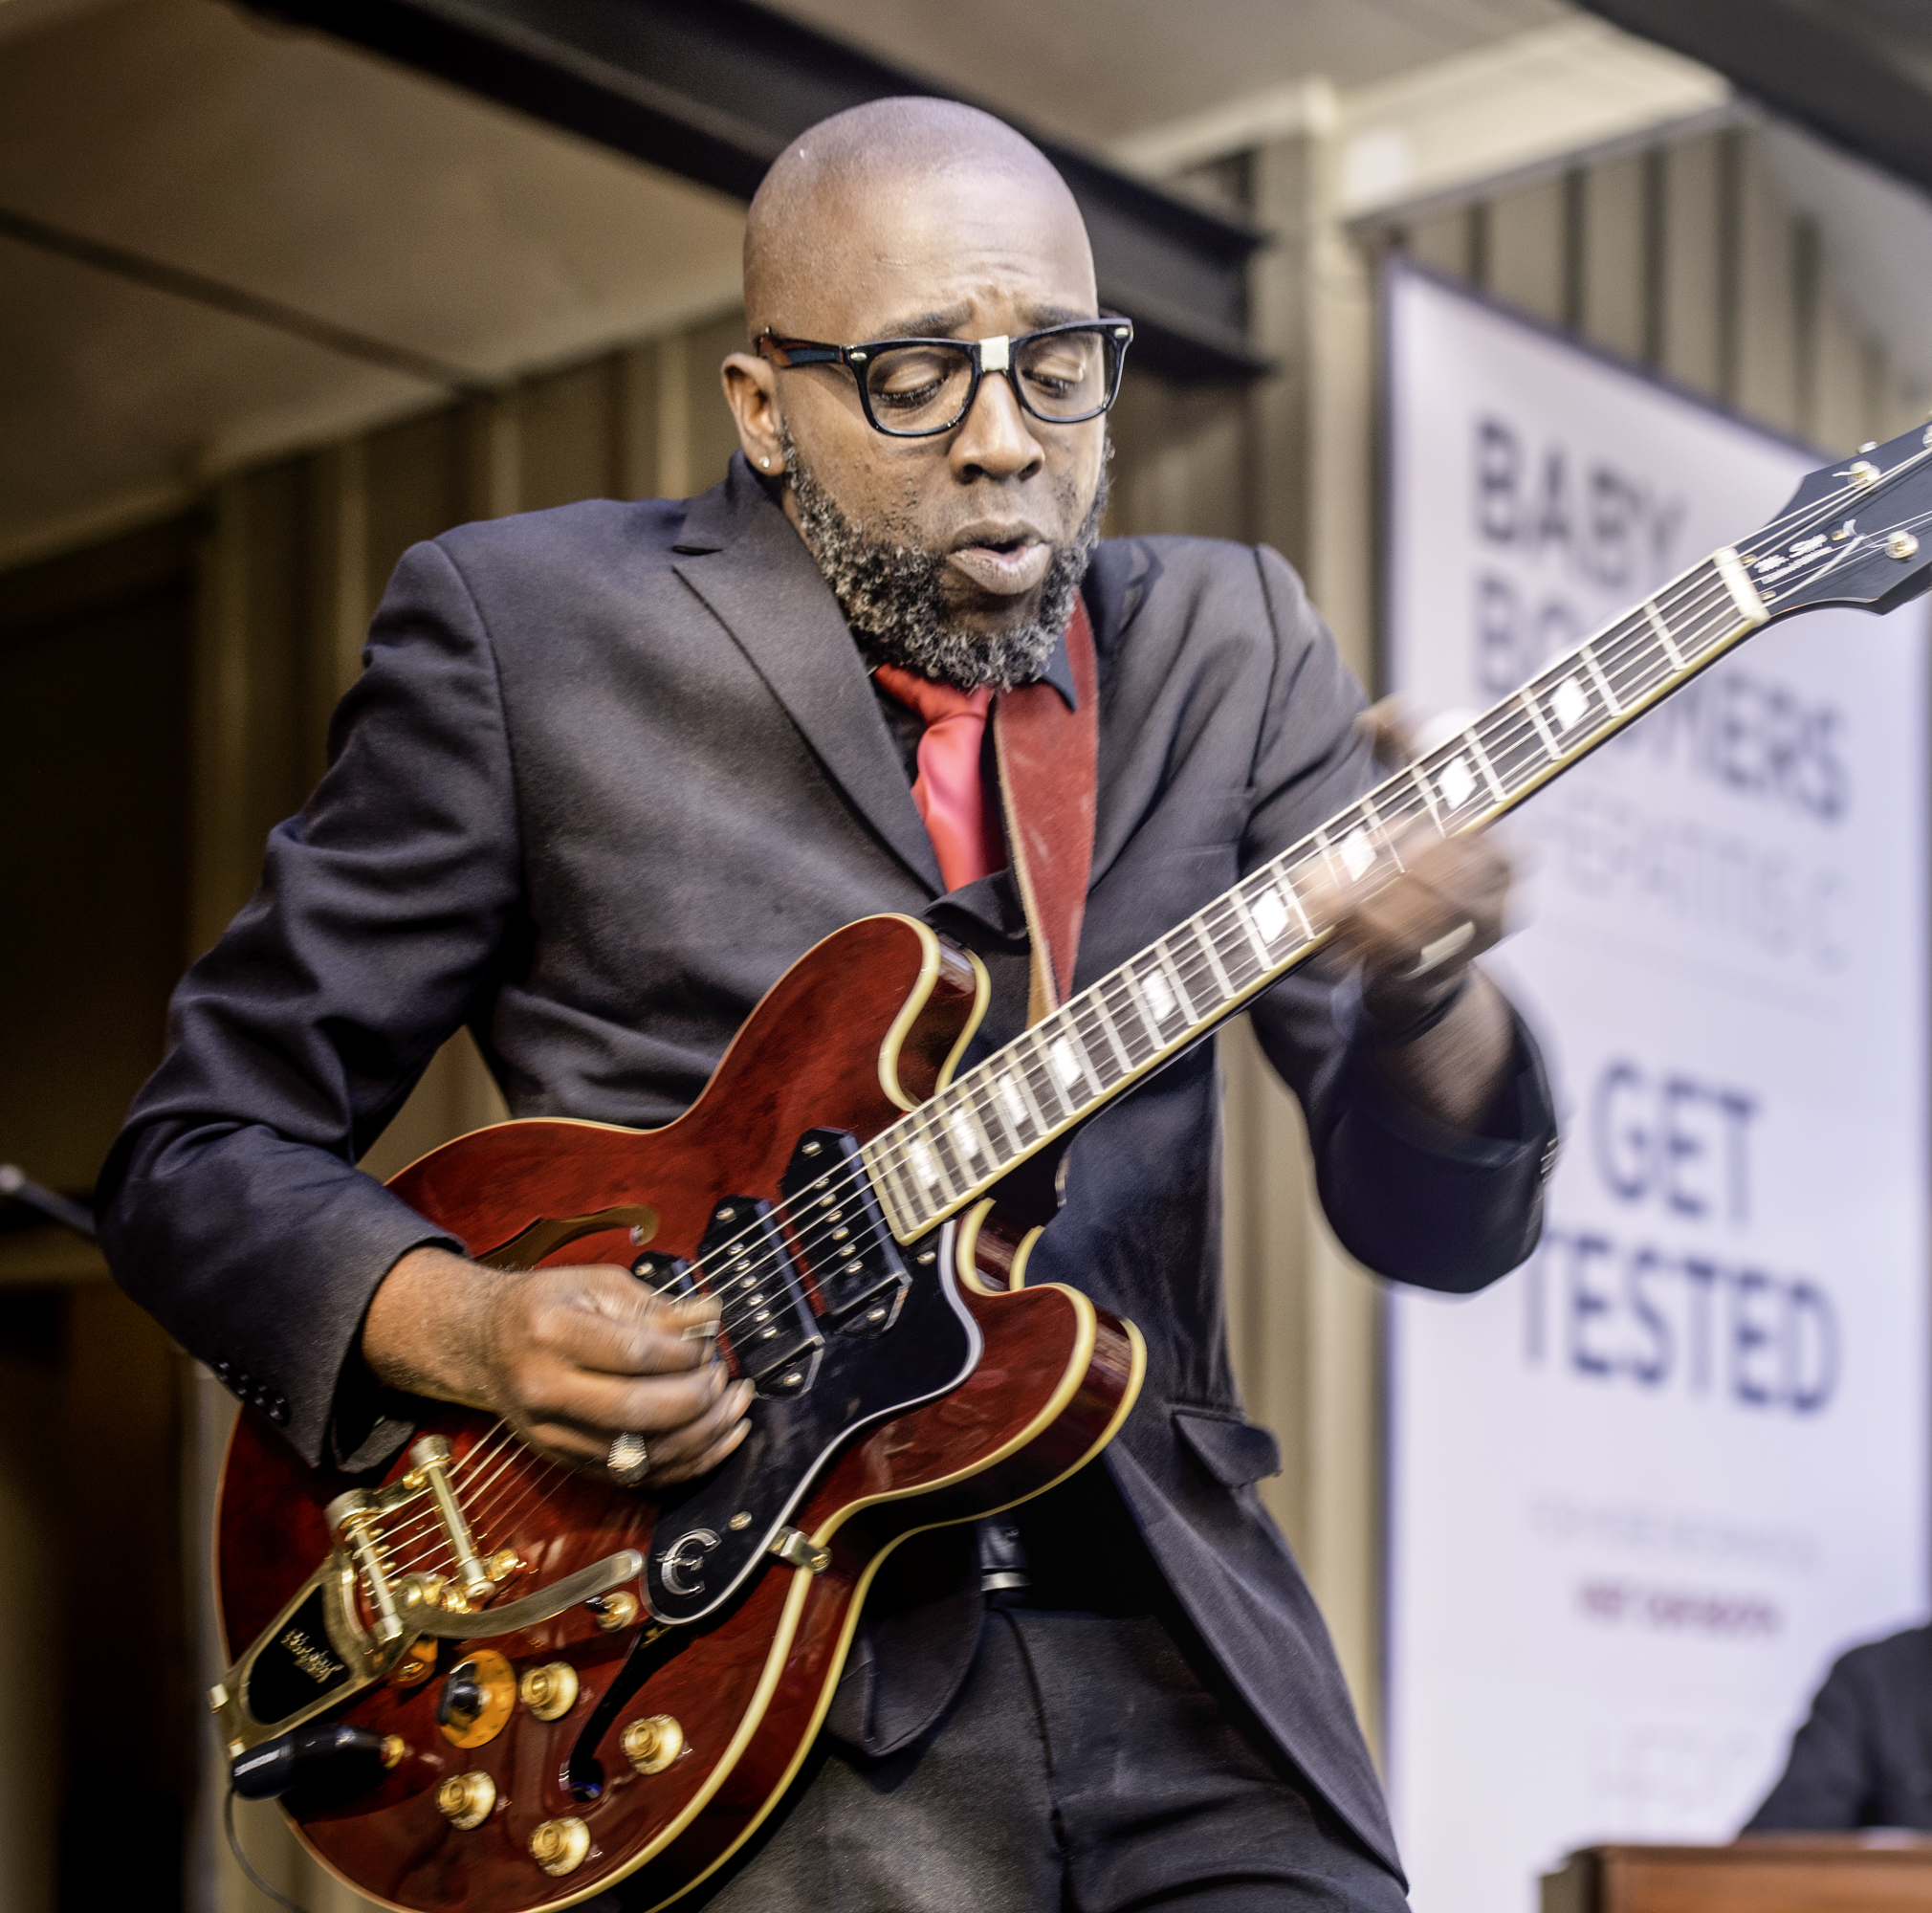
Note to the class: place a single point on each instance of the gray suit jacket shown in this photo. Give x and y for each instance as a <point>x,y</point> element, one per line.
<point>1864,1758</point>
<point>609,771</point>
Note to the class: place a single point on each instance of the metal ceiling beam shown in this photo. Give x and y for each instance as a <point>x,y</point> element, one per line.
<point>1834,68</point>
<point>714,89</point>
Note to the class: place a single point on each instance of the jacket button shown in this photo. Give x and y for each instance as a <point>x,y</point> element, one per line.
<point>278,1409</point>
<point>222,1371</point>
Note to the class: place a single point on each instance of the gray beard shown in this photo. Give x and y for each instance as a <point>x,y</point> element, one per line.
<point>893,598</point>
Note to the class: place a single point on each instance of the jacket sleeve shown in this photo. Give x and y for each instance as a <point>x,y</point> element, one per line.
<point>1408,1197</point>
<point>231,1208</point>
<point>1831,1778</point>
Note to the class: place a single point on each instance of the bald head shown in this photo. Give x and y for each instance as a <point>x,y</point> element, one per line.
<point>955,553</point>
<point>840,201</point>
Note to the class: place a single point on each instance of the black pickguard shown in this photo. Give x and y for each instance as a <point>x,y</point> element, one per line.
<point>928,1349</point>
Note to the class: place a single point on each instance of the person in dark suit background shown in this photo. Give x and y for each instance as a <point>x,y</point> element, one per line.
<point>1863,1756</point>
<point>607,772</point>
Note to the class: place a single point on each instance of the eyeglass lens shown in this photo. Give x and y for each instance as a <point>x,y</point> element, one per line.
<point>1062,375</point>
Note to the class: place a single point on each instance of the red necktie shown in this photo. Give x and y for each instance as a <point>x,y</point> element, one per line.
<point>950,795</point>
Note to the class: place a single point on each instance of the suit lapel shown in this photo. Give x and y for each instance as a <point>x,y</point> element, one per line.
<point>741,556</point>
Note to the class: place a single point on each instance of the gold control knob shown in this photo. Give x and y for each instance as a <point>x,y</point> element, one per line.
<point>651,1744</point>
<point>549,1691</point>
<point>465,1799</point>
<point>614,1611</point>
<point>559,1846</point>
<point>394,1747</point>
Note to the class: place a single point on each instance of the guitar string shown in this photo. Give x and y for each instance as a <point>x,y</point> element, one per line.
<point>1513,729</point>
<point>1683,604</point>
<point>1617,650</point>
<point>1777,531</point>
<point>1614,649</point>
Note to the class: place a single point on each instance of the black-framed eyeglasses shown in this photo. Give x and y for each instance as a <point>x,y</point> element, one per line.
<point>919,387</point>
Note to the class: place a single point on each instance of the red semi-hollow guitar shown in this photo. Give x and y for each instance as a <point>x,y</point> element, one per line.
<point>483,1681</point>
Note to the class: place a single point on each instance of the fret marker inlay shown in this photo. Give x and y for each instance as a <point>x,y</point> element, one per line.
<point>1159,997</point>
<point>1065,1064</point>
<point>1011,1100</point>
<point>1270,915</point>
<point>1570,702</point>
<point>1357,853</point>
<point>1457,780</point>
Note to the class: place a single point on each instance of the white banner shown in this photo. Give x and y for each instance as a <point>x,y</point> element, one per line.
<point>1644,1490</point>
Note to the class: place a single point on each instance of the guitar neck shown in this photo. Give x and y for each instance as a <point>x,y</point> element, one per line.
<point>951,1151</point>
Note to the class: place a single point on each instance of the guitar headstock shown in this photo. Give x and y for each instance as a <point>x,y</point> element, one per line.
<point>1856,533</point>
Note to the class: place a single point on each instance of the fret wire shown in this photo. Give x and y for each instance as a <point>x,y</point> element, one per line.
<point>1377,827</point>
<point>1663,636</point>
<point>1610,701</point>
<point>1252,930</point>
<point>999,1135</point>
<point>1287,888</point>
<point>1104,1053</point>
<point>898,1178</point>
<point>1123,982</point>
<point>1529,701</point>
<point>1232,942</point>
<point>940,1142</point>
<point>1014,1080</point>
<point>1482,762</point>
<point>1148,1014</point>
<point>1088,1082</point>
<point>963,1113</point>
<point>1165,960</point>
<point>924,1144</point>
<point>1204,938</point>
<point>1038,1069</point>
<point>1115,1042</point>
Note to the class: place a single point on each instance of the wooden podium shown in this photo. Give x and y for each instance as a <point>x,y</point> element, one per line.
<point>1765,1873</point>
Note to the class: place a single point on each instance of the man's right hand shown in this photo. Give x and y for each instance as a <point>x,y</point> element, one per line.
<point>571,1358</point>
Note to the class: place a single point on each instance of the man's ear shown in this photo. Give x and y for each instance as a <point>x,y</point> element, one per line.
<point>751,390</point>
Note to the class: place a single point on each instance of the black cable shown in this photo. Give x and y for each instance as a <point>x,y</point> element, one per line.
<point>241,1860</point>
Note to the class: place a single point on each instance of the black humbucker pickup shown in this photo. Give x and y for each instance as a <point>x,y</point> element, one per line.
<point>773,1333</point>
<point>669,1275</point>
<point>839,1236</point>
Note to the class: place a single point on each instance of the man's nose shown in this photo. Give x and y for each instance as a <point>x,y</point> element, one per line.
<point>995,438</point>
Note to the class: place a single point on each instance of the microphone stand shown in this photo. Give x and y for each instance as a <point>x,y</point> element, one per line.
<point>16,1184</point>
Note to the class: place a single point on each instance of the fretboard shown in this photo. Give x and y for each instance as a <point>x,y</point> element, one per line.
<point>952,1149</point>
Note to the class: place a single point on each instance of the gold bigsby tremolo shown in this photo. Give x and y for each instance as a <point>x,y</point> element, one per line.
<point>322,1633</point>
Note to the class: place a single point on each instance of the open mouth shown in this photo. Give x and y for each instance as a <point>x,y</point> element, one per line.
<point>1005,565</point>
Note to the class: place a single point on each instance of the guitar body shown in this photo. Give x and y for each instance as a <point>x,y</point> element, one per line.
<point>1010,1389</point>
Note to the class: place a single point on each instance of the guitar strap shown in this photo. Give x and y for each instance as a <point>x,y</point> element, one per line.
<point>1047,757</point>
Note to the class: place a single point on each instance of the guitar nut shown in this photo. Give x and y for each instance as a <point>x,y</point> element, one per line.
<point>559,1846</point>
<point>652,1743</point>
<point>549,1691</point>
<point>465,1799</point>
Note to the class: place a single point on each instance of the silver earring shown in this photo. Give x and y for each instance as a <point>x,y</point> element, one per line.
<point>764,464</point>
